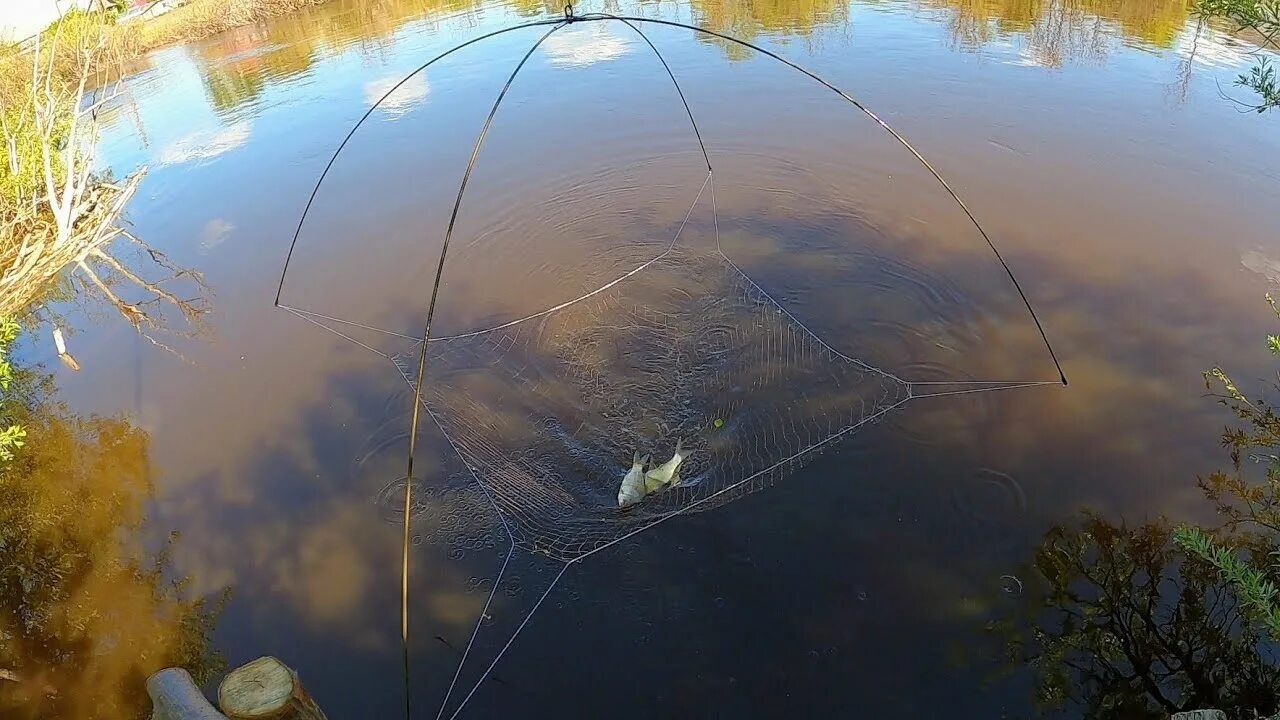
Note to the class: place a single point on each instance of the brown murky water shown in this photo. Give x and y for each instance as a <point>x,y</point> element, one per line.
<point>1135,204</point>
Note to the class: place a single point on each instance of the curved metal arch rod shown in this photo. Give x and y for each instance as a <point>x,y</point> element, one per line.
<point>901,140</point>
<point>422,355</point>
<point>297,232</point>
<point>448,236</point>
<point>314,317</point>
<point>351,133</point>
<point>679,91</point>
<point>630,22</point>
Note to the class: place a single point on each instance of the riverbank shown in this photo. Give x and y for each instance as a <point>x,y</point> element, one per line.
<point>201,18</point>
<point>55,213</point>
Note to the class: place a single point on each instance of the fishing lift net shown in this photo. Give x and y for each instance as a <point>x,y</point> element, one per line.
<point>688,350</point>
<point>542,414</point>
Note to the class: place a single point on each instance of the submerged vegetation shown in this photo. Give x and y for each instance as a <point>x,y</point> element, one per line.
<point>1120,623</point>
<point>1143,622</point>
<point>86,613</point>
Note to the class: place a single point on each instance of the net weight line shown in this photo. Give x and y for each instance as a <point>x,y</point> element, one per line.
<point>426,339</point>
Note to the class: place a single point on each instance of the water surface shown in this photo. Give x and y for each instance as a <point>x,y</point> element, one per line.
<point>1134,202</point>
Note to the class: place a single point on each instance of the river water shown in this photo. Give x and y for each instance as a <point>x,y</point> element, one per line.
<point>1135,204</point>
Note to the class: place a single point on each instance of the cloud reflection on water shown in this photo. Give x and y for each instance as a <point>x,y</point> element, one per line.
<point>405,98</point>
<point>585,45</point>
<point>205,145</point>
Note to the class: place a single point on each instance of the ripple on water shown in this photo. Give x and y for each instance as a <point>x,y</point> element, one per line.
<point>528,244</point>
<point>986,496</point>
<point>390,500</point>
<point>988,509</point>
<point>447,506</point>
<point>880,308</point>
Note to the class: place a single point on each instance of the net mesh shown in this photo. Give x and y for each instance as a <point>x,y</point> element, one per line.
<point>547,413</point>
<point>544,413</point>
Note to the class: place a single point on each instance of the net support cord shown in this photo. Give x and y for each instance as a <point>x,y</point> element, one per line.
<point>631,22</point>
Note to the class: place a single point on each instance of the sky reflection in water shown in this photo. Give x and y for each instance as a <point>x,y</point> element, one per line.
<point>1135,204</point>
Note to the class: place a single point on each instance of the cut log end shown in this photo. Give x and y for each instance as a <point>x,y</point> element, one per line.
<point>266,689</point>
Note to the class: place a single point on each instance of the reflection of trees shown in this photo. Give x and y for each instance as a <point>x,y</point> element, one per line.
<point>786,17</point>
<point>771,17</point>
<point>1142,623</point>
<point>230,87</point>
<point>1060,30</point>
<point>1065,32</point>
<point>235,71</point>
<point>85,614</point>
<point>1055,30</point>
<point>236,68</point>
<point>232,82</point>
<point>1155,22</point>
<point>1120,624</point>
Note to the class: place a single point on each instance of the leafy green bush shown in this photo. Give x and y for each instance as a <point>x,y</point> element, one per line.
<point>12,435</point>
<point>1256,592</point>
<point>1140,623</point>
<point>1262,19</point>
<point>1248,506</point>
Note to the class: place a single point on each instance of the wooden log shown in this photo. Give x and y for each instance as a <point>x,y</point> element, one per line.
<point>266,689</point>
<point>174,696</point>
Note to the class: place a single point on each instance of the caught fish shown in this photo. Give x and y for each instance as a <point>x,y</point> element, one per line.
<point>632,490</point>
<point>668,473</point>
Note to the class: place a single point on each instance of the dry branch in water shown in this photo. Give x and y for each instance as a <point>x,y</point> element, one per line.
<point>57,213</point>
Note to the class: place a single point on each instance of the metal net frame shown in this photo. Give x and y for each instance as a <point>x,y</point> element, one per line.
<point>725,358</point>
